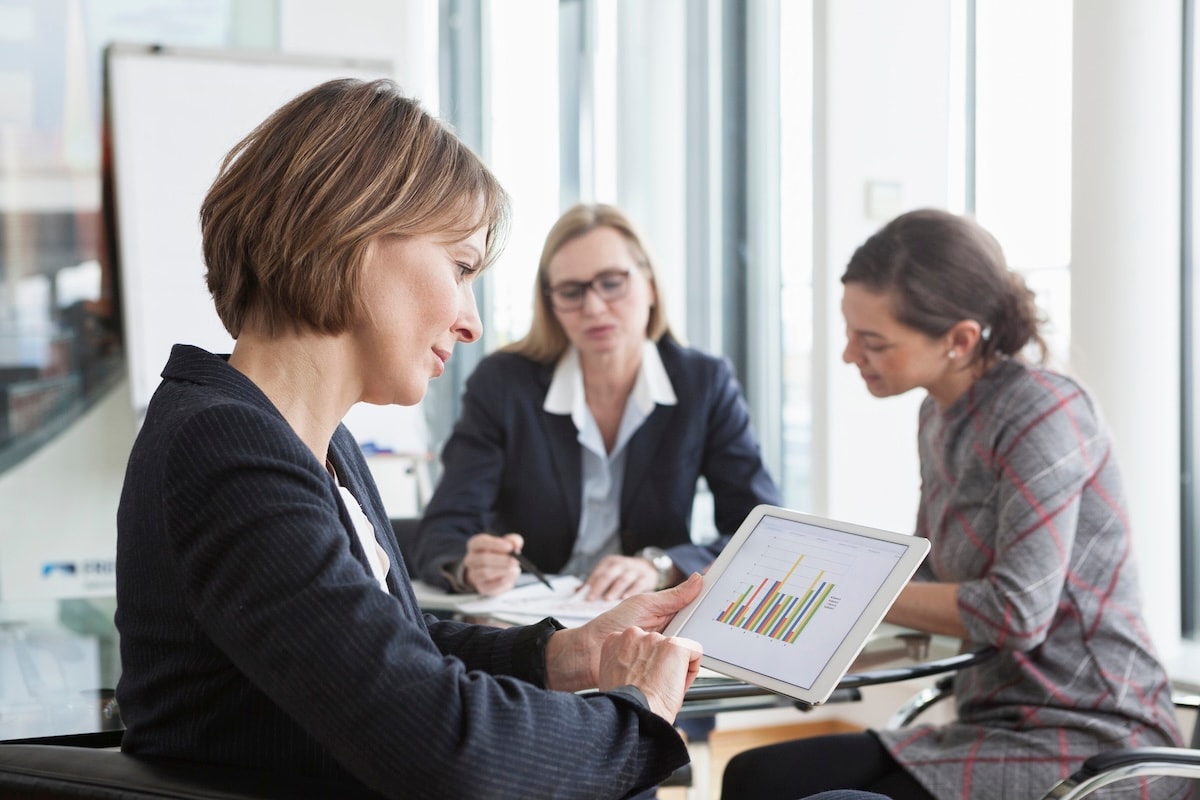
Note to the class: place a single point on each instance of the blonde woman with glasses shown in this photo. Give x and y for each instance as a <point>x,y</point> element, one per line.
<point>581,445</point>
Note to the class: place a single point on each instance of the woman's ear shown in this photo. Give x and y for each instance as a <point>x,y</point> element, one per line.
<point>962,337</point>
<point>653,285</point>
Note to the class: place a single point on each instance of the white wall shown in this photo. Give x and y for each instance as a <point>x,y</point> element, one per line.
<point>403,31</point>
<point>882,88</point>
<point>1125,278</point>
<point>60,506</point>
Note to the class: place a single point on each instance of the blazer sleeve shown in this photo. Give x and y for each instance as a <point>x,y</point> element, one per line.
<point>732,467</point>
<point>264,561</point>
<point>473,462</point>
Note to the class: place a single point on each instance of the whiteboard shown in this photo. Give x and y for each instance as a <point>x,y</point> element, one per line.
<point>173,114</point>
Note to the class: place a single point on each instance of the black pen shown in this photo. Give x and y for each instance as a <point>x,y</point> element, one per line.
<point>531,568</point>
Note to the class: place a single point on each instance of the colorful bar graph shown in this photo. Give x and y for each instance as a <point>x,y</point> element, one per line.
<point>778,615</point>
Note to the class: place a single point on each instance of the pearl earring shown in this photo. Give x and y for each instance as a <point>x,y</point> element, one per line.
<point>952,354</point>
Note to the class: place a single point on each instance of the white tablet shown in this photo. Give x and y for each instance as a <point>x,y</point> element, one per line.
<point>792,598</point>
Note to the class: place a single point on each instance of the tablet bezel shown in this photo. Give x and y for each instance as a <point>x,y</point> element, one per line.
<point>915,550</point>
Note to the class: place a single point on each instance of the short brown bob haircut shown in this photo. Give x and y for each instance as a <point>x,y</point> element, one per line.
<point>299,202</point>
<point>546,340</point>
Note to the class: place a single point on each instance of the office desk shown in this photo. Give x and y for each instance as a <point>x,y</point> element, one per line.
<point>439,602</point>
<point>892,654</point>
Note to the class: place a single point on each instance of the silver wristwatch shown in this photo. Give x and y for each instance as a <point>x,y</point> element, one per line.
<point>662,563</point>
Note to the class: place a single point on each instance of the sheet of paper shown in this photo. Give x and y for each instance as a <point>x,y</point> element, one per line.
<point>435,599</point>
<point>533,602</point>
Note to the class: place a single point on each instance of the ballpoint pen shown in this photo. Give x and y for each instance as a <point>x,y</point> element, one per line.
<point>532,569</point>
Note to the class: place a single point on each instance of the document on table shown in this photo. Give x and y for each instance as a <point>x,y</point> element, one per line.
<point>530,603</point>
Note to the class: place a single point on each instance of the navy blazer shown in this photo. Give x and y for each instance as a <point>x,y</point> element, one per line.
<point>253,633</point>
<point>511,466</point>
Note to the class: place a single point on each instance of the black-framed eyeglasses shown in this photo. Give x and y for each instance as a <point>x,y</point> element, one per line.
<point>610,285</point>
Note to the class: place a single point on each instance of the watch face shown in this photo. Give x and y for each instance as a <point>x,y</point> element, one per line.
<point>661,562</point>
<point>656,556</point>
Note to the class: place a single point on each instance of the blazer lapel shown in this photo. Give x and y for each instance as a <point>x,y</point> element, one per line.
<point>563,440</point>
<point>564,452</point>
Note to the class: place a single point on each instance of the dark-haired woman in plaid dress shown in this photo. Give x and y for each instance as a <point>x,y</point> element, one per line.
<point>1021,498</point>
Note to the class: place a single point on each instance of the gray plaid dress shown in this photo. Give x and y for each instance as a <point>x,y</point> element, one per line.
<point>1022,502</point>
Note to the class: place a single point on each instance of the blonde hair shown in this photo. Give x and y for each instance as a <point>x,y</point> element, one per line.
<point>546,340</point>
<point>300,201</point>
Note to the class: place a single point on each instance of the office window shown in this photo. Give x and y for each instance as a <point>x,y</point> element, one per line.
<point>565,121</point>
<point>60,348</point>
<point>1009,129</point>
<point>500,78</point>
<point>521,145</point>
<point>60,345</point>
<point>795,262</point>
<point>569,116</point>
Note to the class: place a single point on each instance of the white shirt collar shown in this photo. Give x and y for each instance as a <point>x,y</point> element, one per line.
<point>566,395</point>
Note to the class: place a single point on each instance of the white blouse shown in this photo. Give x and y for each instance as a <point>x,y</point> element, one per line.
<point>376,557</point>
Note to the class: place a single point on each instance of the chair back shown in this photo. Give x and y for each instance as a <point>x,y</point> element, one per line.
<point>90,766</point>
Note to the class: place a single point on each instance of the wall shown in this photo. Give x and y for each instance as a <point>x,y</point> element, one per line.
<point>881,118</point>
<point>60,507</point>
<point>402,31</point>
<point>1125,331</point>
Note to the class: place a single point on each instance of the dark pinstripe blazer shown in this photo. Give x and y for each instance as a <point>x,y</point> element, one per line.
<point>511,466</point>
<point>253,633</point>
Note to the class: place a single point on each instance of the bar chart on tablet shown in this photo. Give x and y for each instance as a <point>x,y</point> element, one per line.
<point>797,590</point>
<point>768,610</point>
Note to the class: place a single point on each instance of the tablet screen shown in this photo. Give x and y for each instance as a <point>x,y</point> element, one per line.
<point>792,599</point>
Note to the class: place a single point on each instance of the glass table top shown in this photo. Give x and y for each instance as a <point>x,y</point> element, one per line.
<point>891,654</point>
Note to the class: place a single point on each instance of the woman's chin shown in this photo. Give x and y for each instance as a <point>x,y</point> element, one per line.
<point>876,388</point>
<point>406,396</point>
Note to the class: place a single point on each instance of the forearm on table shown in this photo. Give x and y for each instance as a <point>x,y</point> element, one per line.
<point>931,607</point>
